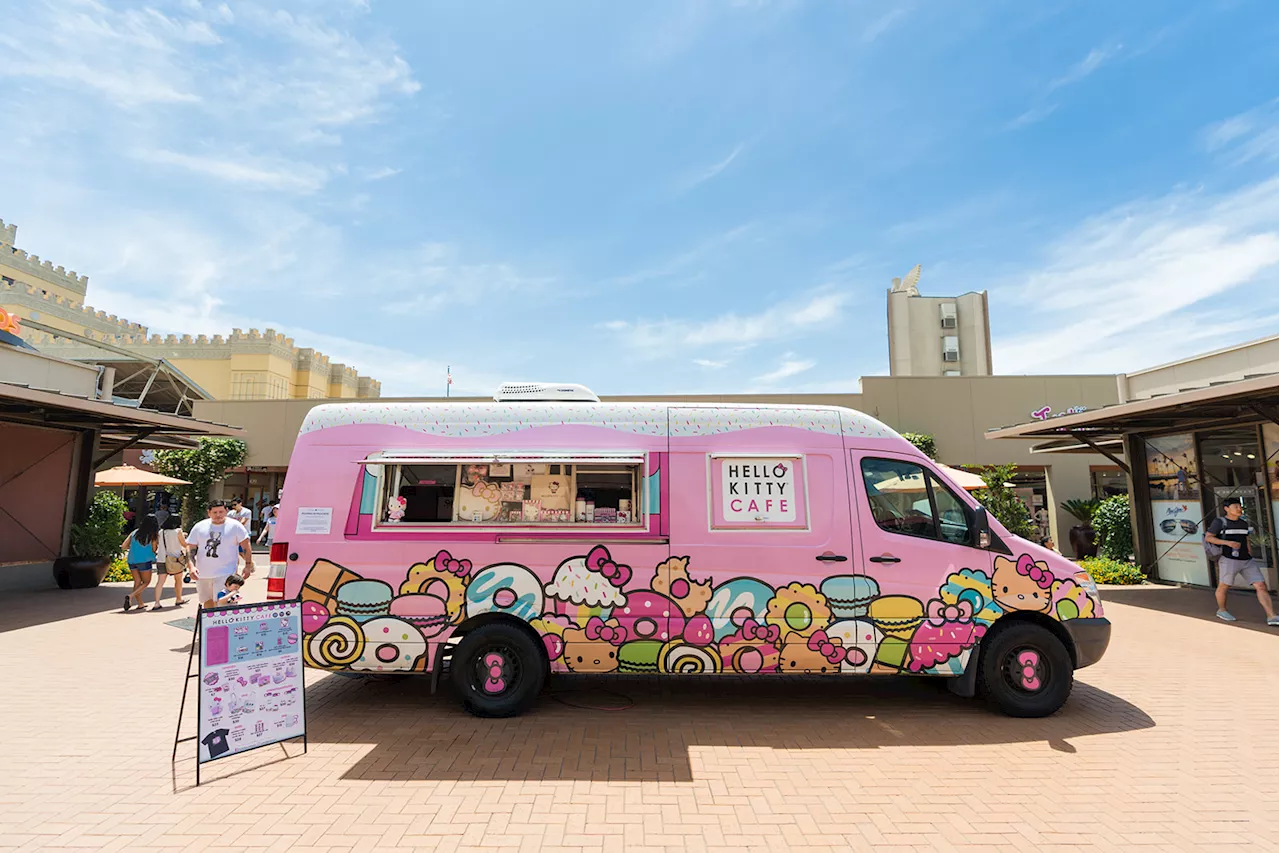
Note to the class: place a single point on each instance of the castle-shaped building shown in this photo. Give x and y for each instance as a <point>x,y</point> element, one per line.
<point>241,366</point>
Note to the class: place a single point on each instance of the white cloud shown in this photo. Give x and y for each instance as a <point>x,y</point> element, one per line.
<point>291,177</point>
<point>701,177</point>
<point>1031,116</point>
<point>707,363</point>
<point>380,174</point>
<point>1247,136</point>
<point>689,264</point>
<point>789,367</point>
<point>436,275</point>
<point>780,322</point>
<point>1140,284</point>
<point>1095,59</point>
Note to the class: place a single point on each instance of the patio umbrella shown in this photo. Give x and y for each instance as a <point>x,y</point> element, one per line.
<point>965,480</point>
<point>127,475</point>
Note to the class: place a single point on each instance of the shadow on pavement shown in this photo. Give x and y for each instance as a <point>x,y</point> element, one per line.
<point>1195,603</point>
<point>418,736</point>
<point>24,609</point>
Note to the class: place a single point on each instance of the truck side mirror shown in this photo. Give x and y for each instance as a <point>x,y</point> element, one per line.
<point>981,531</point>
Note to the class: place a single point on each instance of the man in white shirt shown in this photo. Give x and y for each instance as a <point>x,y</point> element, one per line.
<point>242,514</point>
<point>216,545</point>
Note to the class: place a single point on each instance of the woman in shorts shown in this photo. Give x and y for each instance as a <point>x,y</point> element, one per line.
<point>142,545</point>
<point>173,554</point>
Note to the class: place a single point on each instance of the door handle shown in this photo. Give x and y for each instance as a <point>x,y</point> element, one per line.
<point>832,558</point>
<point>887,558</point>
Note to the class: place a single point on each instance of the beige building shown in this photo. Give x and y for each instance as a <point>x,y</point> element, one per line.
<point>957,412</point>
<point>937,335</point>
<point>241,366</point>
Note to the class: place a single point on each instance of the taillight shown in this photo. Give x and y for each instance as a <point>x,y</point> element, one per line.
<point>275,577</point>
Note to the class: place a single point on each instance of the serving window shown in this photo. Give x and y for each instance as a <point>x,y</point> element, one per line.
<point>563,492</point>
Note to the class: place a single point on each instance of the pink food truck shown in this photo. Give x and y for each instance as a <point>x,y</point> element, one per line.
<point>550,532</point>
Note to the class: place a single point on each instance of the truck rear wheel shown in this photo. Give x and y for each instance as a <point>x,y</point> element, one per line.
<point>498,671</point>
<point>1026,671</point>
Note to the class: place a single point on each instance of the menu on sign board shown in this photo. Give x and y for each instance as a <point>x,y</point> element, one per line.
<point>251,683</point>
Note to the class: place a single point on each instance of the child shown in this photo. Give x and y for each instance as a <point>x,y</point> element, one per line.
<point>230,592</point>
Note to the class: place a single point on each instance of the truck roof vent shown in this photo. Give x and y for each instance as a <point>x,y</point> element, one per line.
<point>544,392</point>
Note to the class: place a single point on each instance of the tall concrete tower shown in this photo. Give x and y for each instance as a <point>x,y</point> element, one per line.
<point>937,335</point>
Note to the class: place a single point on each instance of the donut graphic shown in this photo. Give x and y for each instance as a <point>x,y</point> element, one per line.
<point>505,588</point>
<point>338,644</point>
<point>390,645</point>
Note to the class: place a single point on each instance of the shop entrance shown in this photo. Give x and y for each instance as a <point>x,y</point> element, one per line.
<point>1233,466</point>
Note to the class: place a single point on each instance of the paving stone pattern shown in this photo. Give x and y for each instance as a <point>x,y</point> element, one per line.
<point>1169,744</point>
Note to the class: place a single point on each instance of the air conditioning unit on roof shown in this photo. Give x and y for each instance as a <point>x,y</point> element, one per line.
<point>544,392</point>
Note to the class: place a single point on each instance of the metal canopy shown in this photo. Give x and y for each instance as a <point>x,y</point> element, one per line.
<point>140,381</point>
<point>1250,400</point>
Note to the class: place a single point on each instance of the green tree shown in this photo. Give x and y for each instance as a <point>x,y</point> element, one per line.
<point>924,443</point>
<point>1113,528</point>
<point>1001,501</point>
<point>202,467</point>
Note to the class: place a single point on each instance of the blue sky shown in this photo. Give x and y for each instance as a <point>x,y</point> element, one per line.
<point>653,197</point>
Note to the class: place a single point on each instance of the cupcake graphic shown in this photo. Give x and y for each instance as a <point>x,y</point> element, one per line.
<point>588,586</point>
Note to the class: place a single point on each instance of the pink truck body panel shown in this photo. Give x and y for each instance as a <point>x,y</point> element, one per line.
<point>684,589</point>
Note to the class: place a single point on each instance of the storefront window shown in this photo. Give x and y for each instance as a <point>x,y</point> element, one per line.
<point>1108,482</point>
<point>1235,468</point>
<point>1173,477</point>
<point>525,493</point>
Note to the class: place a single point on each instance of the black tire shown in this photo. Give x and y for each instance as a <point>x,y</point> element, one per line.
<point>498,670</point>
<point>1026,671</point>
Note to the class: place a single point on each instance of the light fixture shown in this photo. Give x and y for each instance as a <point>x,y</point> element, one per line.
<point>1251,456</point>
<point>1225,456</point>
<point>1237,453</point>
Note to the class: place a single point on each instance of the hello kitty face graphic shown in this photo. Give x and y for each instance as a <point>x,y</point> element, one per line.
<point>554,486</point>
<point>1022,585</point>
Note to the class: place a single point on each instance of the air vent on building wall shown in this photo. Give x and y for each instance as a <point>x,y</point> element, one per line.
<point>950,355</point>
<point>544,392</point>
<point>948,322</point>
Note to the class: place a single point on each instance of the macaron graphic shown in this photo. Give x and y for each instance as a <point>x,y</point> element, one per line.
<point>849,595</point>
<point>896,615</point>
<point>639,657</point>
<point>364,599</point>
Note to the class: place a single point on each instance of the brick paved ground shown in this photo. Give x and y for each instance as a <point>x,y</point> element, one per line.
<point>1169,743</point>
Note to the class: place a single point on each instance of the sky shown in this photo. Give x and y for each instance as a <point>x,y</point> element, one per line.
<point>658,197</point>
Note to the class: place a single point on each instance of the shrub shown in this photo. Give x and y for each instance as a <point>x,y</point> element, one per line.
<point>1001,501</point>
<point>1115,532</point>
<point>101,532</point>
<point>923,442</point>
<point>1106,570</point>
<point>1081,510</point>
<point>118,572</point>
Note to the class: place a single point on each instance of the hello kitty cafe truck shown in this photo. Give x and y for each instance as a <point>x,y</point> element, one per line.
<point>550,532</point>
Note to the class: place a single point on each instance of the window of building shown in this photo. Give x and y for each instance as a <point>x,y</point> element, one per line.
<point>950,373</point>
<point>577,491</point>
<point>258,386</point>
<point>950,348</point>
<point>907,499</point>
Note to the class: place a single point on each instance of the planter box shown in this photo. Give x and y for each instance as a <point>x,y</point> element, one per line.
<point>80,572</point>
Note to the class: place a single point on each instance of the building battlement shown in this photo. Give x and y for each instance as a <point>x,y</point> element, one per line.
<point>45,270</point>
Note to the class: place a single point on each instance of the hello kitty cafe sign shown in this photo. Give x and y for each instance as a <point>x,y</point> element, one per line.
<point>758,492</point>
<point>1044,412</point>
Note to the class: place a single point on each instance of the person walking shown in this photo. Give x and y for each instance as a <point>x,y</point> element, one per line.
<point>173,554</point>
<point>268,528</point>
<point>1231,534</point>
<point>242,514</point>
<point>216,544</point>
<point>142,544</point>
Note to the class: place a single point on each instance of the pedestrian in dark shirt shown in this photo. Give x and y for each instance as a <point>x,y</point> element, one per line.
<point>1231,534</point>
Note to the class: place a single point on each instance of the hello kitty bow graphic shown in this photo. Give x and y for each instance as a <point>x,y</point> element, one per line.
<point>490,492</point>
<point>940,612</point>
<point>597,629</point>
<point>834,651</point>
<point>446,563</point>
<point>598,560</point>
<point>1038,572</point>
<point>753,630</point>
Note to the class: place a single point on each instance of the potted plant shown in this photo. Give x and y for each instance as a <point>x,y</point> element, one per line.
<point>94,544</point>
<point>1082,536</point>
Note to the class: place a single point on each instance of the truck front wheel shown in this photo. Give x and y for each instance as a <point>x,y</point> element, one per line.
<point>1026,671</point>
